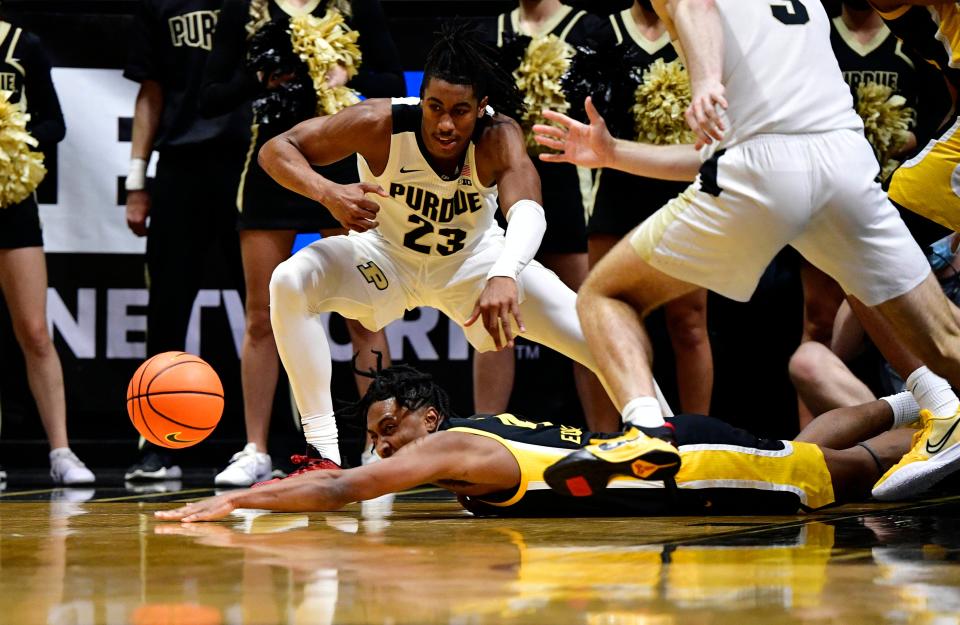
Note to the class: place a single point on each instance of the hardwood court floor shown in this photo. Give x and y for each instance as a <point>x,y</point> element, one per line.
<point>420,560</point>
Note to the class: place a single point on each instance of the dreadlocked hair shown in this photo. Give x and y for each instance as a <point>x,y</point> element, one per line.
<point>461,57</point>
<point>410,388</point>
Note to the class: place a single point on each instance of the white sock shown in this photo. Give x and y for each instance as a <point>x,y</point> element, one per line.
<point>643,411</point>
<point>933,393</point>
<point>905,408</point>
<point>320,430</point>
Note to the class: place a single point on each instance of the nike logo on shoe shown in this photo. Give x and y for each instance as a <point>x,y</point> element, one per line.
<point>933,448</point>
<point>404,170</point>
<point>174,437</point>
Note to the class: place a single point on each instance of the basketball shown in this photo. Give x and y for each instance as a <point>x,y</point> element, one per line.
<point>175,399</point>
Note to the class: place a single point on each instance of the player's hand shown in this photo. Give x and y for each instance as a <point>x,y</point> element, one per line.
<point>496,304</point>
<point>209,509</point>
<point>703,116</point>
<point>336,76</point>
<point>138,208</point>
<point>581,144</point>
<point>349,204</point>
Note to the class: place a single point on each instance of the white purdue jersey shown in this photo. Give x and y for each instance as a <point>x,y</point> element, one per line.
<point>780,73</point>
<point>427,213</point>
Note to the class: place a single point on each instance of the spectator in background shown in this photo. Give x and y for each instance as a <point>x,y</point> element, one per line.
<point>189,206</point>
<point>621,200</point>
<point>23,269</point>
<point>269,215</point>
<point>534,38</point>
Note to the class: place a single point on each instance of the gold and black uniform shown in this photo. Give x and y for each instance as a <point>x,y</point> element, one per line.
<point>621,200</point>
<point>25,72</point>
<point>228,84</point>
<point>925,183</point>
<point>566,188</point>
<point>725,470</point>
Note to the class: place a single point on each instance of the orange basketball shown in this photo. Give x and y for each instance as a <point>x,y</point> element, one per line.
<point>175,399</point>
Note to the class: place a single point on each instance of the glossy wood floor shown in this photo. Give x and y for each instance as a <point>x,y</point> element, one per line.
<point>78,556</point>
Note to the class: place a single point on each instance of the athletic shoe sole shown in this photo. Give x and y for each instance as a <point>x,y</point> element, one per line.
<point>582,474</point>
<point>240,483</point>
<point>164,473</point>
<point>919,476</point>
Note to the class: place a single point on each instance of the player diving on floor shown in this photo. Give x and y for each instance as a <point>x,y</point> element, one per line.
<point>500,465</point>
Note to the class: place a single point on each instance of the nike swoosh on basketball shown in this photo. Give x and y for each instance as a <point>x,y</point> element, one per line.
<point>936,447</point>
<point>173,438</point>
<point>408,171</point>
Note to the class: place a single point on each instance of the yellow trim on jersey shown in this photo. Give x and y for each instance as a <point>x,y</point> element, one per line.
<point>894,13</point>
<point>850,38</point>
<point>547,27</point>
<point>798,468</point>
<point>650,46</point>
<point>925,183</point>
<point>616,29</point>
<point>533,460</point>
<point>254,131</point>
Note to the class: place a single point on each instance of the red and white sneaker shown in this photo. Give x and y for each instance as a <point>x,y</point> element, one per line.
<point>311,461</point>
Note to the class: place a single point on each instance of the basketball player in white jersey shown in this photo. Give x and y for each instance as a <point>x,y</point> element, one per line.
<point>780,160</point>
<point>422,226</point>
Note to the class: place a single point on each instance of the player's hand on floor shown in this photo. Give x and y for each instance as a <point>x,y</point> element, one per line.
<point>703,115</point>
<point>138,208</point>
<point>349,204</point>
<point>581,144</point>
<point>209,509</point>
<point>496,304</point>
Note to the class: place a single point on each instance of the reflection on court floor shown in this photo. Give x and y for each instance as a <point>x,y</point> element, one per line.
<point>99,557</point>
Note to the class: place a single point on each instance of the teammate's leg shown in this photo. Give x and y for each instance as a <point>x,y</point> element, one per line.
<point>23,281</point>
<point>687,327</point>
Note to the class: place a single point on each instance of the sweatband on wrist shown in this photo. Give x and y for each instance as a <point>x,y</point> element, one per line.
<point>137,176</point>
<point>526,224</point>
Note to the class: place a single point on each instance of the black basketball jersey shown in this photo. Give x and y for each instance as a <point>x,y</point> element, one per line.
<point>170,43</point>
<point>724,470</point>
<point>574,26</point>
<point>933,32</point>
<point>882,61</point>
<point>25,73</point>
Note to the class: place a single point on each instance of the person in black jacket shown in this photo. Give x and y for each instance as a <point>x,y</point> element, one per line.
<point>25,76</point>
<point>190,203</point>
<point>269,215</point>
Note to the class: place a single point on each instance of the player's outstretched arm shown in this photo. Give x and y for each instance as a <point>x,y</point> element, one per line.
<point>360,129</point>
<point>427,460</point>
<point>503,148</point>
<point>701,37</point>
<point>593,146</point>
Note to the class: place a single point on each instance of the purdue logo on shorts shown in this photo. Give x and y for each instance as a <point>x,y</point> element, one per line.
<point>374,275</point>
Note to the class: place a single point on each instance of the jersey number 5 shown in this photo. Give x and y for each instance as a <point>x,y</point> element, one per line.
<point>790,12</point>
<point>454,243</point>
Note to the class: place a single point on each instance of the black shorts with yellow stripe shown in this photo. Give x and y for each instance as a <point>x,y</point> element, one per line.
<point>725,470</point>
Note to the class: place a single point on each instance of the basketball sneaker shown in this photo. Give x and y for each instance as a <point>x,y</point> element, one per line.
<point>246,468</point>
<point>935,454</point>
<point>68,470</point>
<point>313,460</point>
<point>587,471</point>
<point>153,465</point>
<point>3,474</point>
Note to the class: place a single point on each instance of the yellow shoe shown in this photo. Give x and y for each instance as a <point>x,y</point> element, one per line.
<point>935,455</point>
<point>587,471</point>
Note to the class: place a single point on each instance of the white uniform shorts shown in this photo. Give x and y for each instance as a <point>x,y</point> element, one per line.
<point>362,276</point>
<point>815,192</point>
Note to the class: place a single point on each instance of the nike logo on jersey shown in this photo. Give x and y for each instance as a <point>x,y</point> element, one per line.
<point>174,437</point>
<point>404,170</point>
<point>933,447</point>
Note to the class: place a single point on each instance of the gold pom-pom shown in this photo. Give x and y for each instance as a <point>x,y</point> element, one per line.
<point>886,122</point>
<point>21,169</point>
<point>661,100</point>
<point>258,15</point>
<point>539,77</point>
<point>322,43</point>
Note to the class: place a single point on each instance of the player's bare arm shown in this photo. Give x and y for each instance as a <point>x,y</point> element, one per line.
<point>502,159</point>
<point>360,129</point>
<point>480,465</point>
<point>592,145</point>
<point>146,120</point>
<point>697,25</point>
